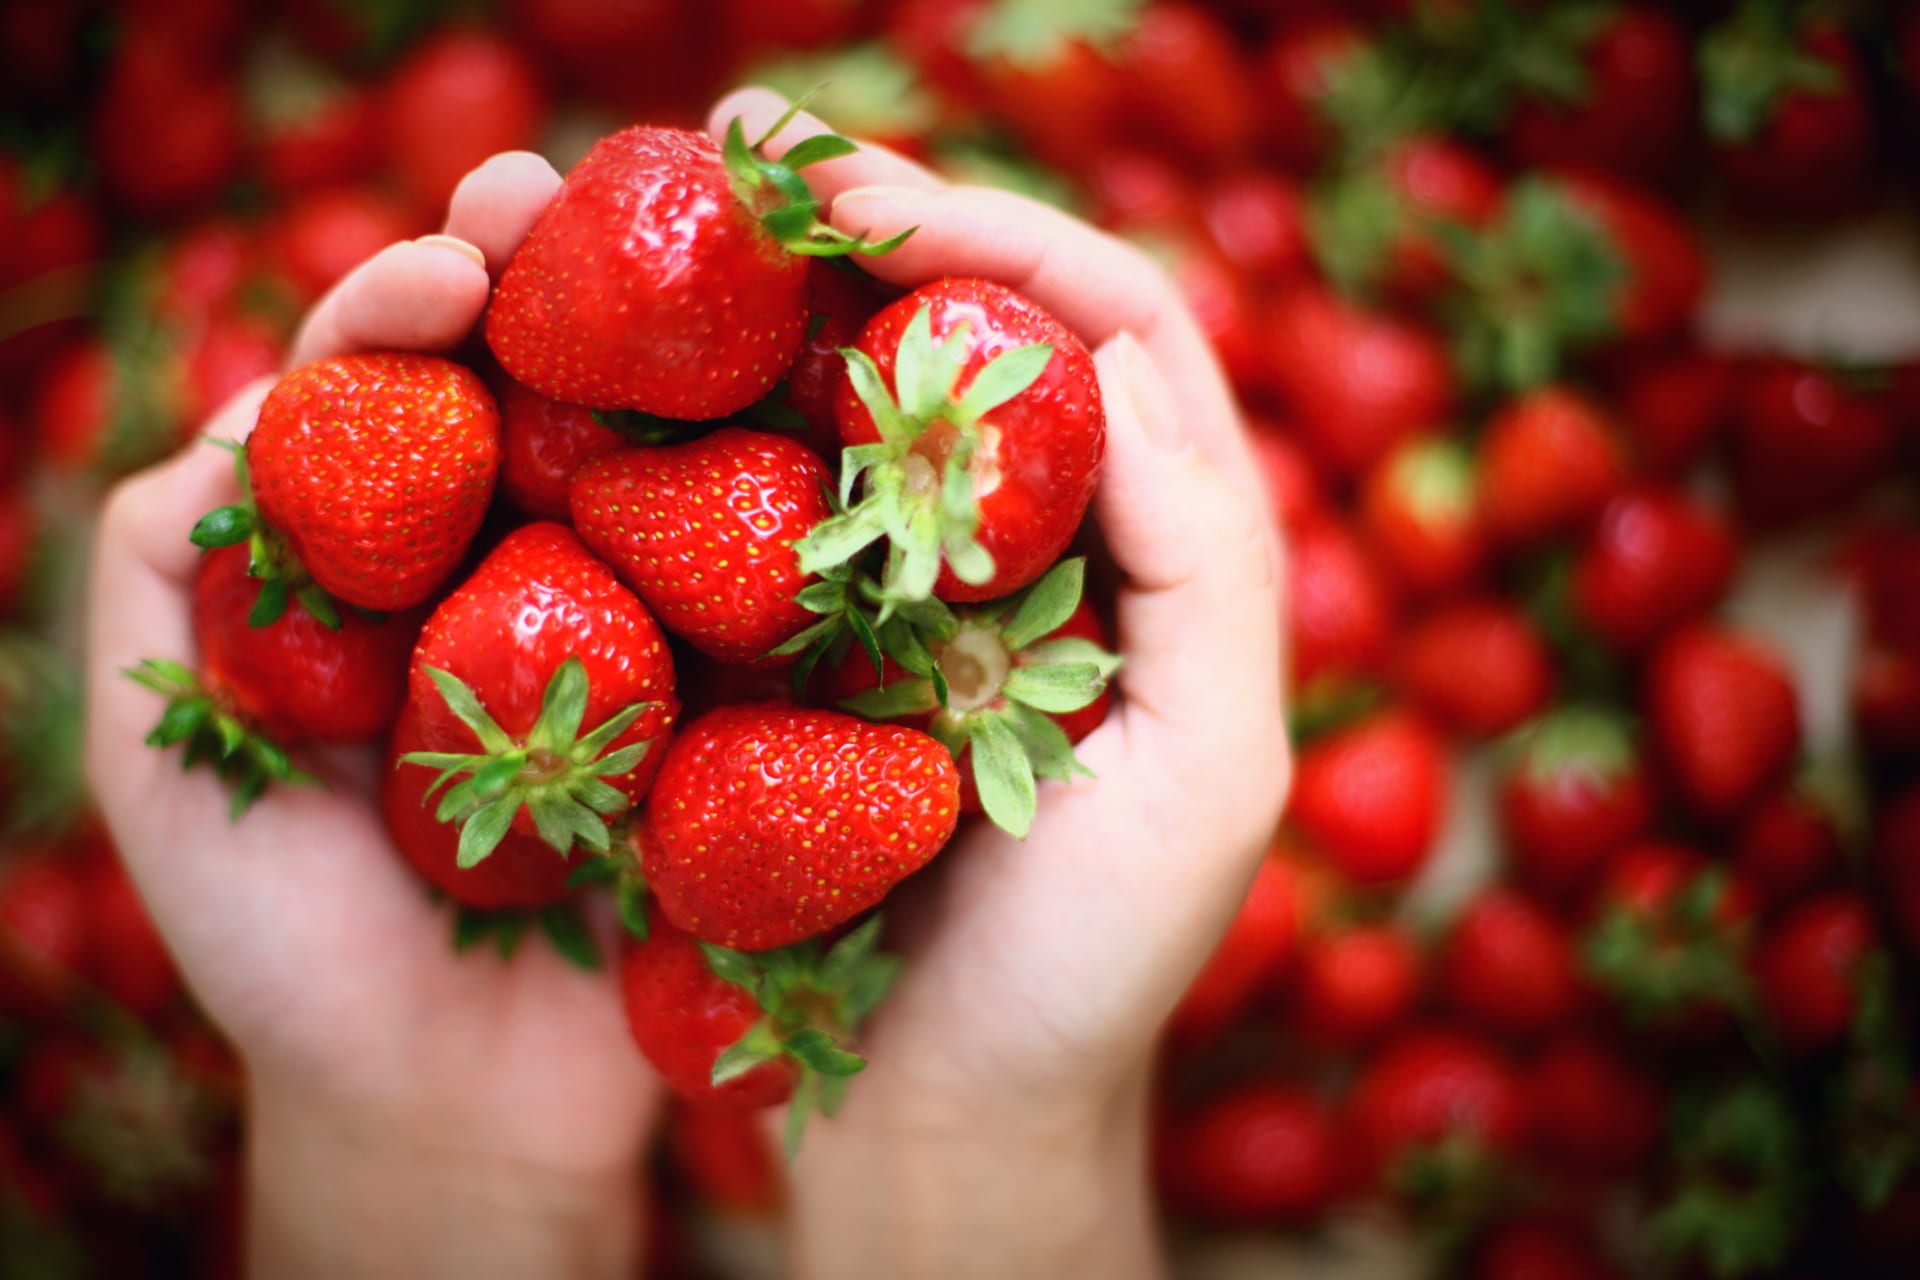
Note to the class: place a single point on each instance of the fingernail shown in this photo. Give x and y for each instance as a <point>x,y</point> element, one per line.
<point>1153,402</point>
<point>877,192</point>
<point>456,244</point>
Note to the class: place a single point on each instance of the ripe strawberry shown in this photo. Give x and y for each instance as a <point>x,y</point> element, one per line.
<point>167,128</point>
<point>1809,967</point>
<point>1257,949</point>
<point>1337,790</point>
<point>369,475</point>
<point>1722,713</point>
<point>1794,840</point>
<point>771,824</point>
<point>704,533</point>
<point>459,96</point>
<point>1381,228</point>
<point>544,443</point>
<point>1592,1109</point>
<point>104,409</point>
<point>322,235</point>
<point>1549,461</point>
<point>1478,667</point>
<point>19,537</point>
<point>1257,220</point>
<point>1539,1250</point>
<point>310,128</point>
<point>1664,271</point>
<point>1508,967</point>
<point>1357,382</point>
<point>1420,513</point>
<point>1896,861</point>
<point>728,1029</point>
<point>657,241</point>
<point>979,469</point>
<point>1429,1110</point>
<point>1802,444</point>
<point>1674,407</point>
<point>1301,71</point>
<point>50,241</point>
<point>1669,937</point>
<point>1355,984</point>
<point>126,957</point>
<point>1188,87</point>
<point>1142,194</point>
<point>724,1157</point>
<point>1259,1154</point>
<point>841,304</point>
<point>1654,561</point>
<point>1046,75</point>
<point>1886,702</point>
<point>593,47</point>
<point>551,685</point>
<point>1293,489</point>
<point>43,931</point>
<point>1574,790</point>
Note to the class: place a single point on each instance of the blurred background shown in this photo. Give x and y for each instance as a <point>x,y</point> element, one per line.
<point>1581,344</point>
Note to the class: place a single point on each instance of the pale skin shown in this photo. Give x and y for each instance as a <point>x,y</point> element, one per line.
<point>416,1113</point>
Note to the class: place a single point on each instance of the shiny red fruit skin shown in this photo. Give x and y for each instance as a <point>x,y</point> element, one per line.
<point>704,531</point>
<point>1259,1154</point>
<point>645,254</point>
<point>1340,612</point>
<point>1666,272</point>
<point>1424,527</point>
<point>1045,445</point>
<point>840,304</point>
<point>1813,160</point>
<point>43,930</point>
<point>1509,967</point>
<point>538,600</point>
<point>726,1157</point>
<point>523,872</point>
<point>1559,829</point>
<point>1549,461</point>
<point>1257,221</point>
<point>377,470</point>
<point>544,443</point>
<point>1355,984</point>
<point>684,1016</point>
<point>1723,714</point>
<point>1429,1085</point>
<point>457,98</point>
<point>1478,667</point>
<point>126,957</point>
<point>1337,790</point>
<point>1435,181</point>
<point>1191,89</point>
<point>1674,408</point>
<point>1654,560</point>
<point>770,824</point>
<point>298,679</point>
<point>1258,948</point>
<point>1809,967</point>
<point>1592,1109</point>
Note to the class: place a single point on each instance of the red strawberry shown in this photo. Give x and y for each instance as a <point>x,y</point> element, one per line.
<point>1142,194</point>
<point>43,931</point>
<point>1478,667</point>
<point>1381,227</point>
<point>1006,412</point>
<point>1793,841</point>
<point>1539,1250</point>
<point>126,957</point>
<point>50,241</point>
<point>723,1155</point>
<point>457,98</point>
<point>1632,106</point>
<point>1259,1154</point>
<point>1293,489</point>
<point>1722,713</point>
<point>594,46</point>
<point>1674,407</point>
<point>218,358</point>
<point>323,235</point>
<point>1301,70</point>
<point>1508,967</point>
<point>1046,76</point>
<point>704,533</point>
<point>754,26</point>
<point>1188,87</point>
<point>1257,221</point>
<point>551,684</point>
<point>1575,790</point>
<point>311,129</point>
<point>1669,938</point>
<point>374,470</point>
<point>1420,513</point>
<point>1803,444</point>
<point>1592,1109</point>
<point>1337,790</point>
<point>1223,301</point>
<point>658,241</point>
<point>1258,948</point>
<point>1355,984</point>
<point>19,536</point>
<point>724,1028</point>
<point>1428,1090</point>
<point>1810,964</point>
<point>1357,382</point>
<point>1653,561</point>
<point>544,443</point>
<point>1665,273</point>
<point>167,128</point>
<point>841,303</point>
<point>1549,461</point>
<point>771,824</point>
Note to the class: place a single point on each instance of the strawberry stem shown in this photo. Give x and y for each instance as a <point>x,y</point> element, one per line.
<point>246,759</point>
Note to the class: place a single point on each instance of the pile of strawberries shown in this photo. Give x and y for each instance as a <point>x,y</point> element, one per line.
<point>1588,944</point>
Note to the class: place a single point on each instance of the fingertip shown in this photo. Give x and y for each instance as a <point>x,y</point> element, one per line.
<point>496,204</point>
<point>757,108</point>
<point>411,296</point>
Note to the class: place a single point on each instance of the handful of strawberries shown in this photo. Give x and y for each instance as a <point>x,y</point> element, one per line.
<point>715,468</point>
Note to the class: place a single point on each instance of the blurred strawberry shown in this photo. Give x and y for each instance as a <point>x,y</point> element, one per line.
<point>1665,272</point>
<point>1802,444</point>
<point>1793,840</point>
<point>725,1156</point>
<point>1539,1249</point>
<point>1722,715</point>
<point>1674,407</point>
<point>106,410</point>
<point>1479,667</point>
<point>50,241</point>
<point>1257,220</point>
<point>460,96</point>
<point>1574,790</point>
<point>126,957</point>
<point>1132,189</point>
<point>1048,75</point>
<point>1339,612</point>
<point>167,129</point>
<point>1379,229</point>
<point>322,236</point>
<point>1337,789</point>
<point>755,25</point>
<point>1592,1108</point>
<point>1355,983</point>
<point>594,47</point>
<point>20,539</point>
<point>1420,514</point>
<point>310,128</point>
<point>1809,966</point>
<point>1258,1154</point>
<point>867,90</point>
<point>1223,301</point>
<point>1654,560</point>
<point>1301,70</point>
<point>1507,966</point>
<point>1188,89</point>
<point>220,357</point>
<point>205,267</point>
<point>1286,476</point>
<point>1549,462</point>
<point>1669,939</point>
<point>1256,951</point>
<point>1432,1114</point>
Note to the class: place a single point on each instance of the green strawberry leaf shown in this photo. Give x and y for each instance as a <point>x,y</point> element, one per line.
<point>1002,774</point>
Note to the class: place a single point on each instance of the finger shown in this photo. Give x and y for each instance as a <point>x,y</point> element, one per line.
<point>760,109</point>
<point>496,205</point>
<point>419,295</point>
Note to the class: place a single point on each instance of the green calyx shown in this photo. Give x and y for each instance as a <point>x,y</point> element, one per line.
<point>282,577</point>
<point>814,999</point>
<point>564,928</point>
<point>1353,225</point>
<point>557,773</point>
<point>921,479</point>
<point>991,683</point>
<point>780,198</point>
<point>1679,958</point>
<point>247,760</point>
<point>1032,33</point>
<point>1740,1196</point>
<point>1751,61</point>
<point>864,88</point>
<point>1589,744</point>
<point>843,599</point>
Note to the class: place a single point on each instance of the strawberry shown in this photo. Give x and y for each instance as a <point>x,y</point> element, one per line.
<point>1722,713</point>
<point>1886,702</point>
<point>1142,194</point>
<point>1259,1154</point>
<point>1340,779</point>
<point>550,684</point>
<point>1628,107</point>
<point>324,234</point>
<point>102,408</point>
<point>704,533</point>
<point>772,824</point>
<point>1257,220</point>
<point>1188,87</point>
<point>1809,967</point>
<point>1592,1109</point>
<point>657,241</point>
<point>1478,667</point>
<point>722,1154</point>
<point>369,475</point>
<point>978,469</point>
<point>544,443</point>
<point>1795,839</point>
<point>1574,790</point>
<point>1549,461</point>
<point>167,128</point>
<point>1508,966</point>
<point>1664,271</point>
<point>728,1029</point>
<point>1008,688</point>
<point>1675,407</point>
<point>1301,72</point>
<point>1293,489</point>
<point>841,304</point>
<point>1430,1110</point>
<point>1539,1250</point>
<point>1419,511</point>
<point>43,931</point>
<point>458,97</point>
<point>1256,951</point>
<point>52,241</point>
<point>1357,382</point>
<point>20,536</point>
<point>218,357</point>
<point>754,25</point>
<point>593,47</point>
<point>126,957</point>
<point>1223,302</point>
<point>1896,862</point>
<point>1355,984</point>
<point>1802,444</point>
<point>1654,561</point>
<point>1047,75</point>
<point>1381,228</point>
<point>1669,937</point>
<point>310,128</point>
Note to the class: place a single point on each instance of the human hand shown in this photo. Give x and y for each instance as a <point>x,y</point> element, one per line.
<point>997,1126</point>
<point>413,1111</point>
